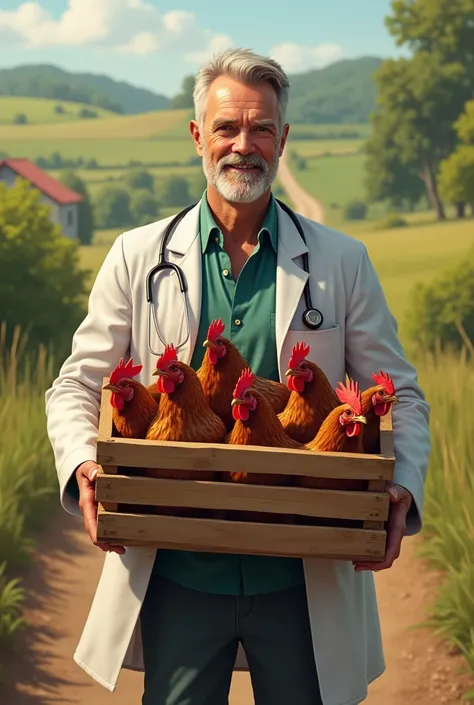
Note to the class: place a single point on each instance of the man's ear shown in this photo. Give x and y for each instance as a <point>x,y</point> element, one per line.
<point>197,137</point>
<point>284,138</point>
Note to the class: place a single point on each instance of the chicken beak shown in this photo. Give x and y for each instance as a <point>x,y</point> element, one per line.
<point>291,372</point>
<point>208,344</point>
<point>393,399</point>
<point>234,402</point>
<point>359,419</point>
<point>160,373</point>
<point>111,388</point>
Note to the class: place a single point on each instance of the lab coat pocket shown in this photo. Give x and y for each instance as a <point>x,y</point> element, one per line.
<point>327,350</point>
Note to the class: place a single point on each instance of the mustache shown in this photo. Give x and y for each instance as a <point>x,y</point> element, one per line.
<point>250,160</point>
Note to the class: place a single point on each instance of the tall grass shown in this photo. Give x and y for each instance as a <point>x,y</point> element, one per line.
<point>27,476</point>
<point>448,545</point>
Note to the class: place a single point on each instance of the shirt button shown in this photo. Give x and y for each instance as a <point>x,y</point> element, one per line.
<point>225,272</point>
<point>216,239</point>
<point>237,321</point>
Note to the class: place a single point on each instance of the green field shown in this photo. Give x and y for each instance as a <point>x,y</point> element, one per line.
<point>41,111</point>
<point>402,257</point>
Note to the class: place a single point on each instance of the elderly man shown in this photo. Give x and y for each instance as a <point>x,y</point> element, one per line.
<point>309,629</point>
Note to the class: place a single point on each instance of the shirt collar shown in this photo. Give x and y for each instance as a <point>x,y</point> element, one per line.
<point>208,226</point>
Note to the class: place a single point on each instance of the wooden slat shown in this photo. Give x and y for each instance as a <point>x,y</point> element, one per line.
<point>387,448</point>
<point>377,489</point>
<point>111,470</point>
<point>217,457</point>
<point>105,416</point>
<point>240,537</point>
<point>220,495</point>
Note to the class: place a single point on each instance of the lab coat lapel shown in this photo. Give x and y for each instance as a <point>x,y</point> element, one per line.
<point>184,250</point>
<point>290,279</point>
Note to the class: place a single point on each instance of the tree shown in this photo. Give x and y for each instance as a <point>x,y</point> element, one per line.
<point>456,173</point>
<point>442,312</point>
<point>86,214</point>
<point>143,207</point>
<point>184,99</point>
<point>175,192</point>
<point>42,288</point>
<point>112,207</point>
<point>139,179</point>
<point>355,210</point>
<point>419,99</point>
<point>20,119</point>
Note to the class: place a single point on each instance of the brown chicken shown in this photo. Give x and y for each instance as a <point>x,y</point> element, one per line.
<point>257,424</point>
<point>222,366</point>
<point>133,406</point>
<point>340,432</point>
<point>183,415</point>
<point>377,402</point>
<point>311,398</point>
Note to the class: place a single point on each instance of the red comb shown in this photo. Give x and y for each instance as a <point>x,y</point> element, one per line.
<point>350,394</point>
<point>385,381</point>
<point>298,354</point>
<point>169,355</point>
<point>216,328</point>
<point>124,370</point>
<point>245,381</point>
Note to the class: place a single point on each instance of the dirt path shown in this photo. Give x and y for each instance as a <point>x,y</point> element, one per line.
<point>419,669</point>
<point>304,203</point>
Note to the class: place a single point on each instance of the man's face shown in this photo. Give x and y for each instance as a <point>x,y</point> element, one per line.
<point>241,139</point>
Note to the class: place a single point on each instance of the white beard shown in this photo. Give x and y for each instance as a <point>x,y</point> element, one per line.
<point>239,187</point>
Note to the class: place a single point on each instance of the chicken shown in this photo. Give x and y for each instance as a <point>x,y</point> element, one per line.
<point>133,406</point>
<point>257,424</point>
<point>376,402</point>
<point>222,366</point>
<point>183,415</point>
<point>312,396</point>
<point>340,432</point>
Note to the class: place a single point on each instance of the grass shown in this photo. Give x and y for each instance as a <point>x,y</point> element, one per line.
<point>312,148</point>
<point>448,381</point>
<point>41,111</point>
<point>28,481</point>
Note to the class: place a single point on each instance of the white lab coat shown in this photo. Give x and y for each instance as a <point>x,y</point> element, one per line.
<point>359,336</point>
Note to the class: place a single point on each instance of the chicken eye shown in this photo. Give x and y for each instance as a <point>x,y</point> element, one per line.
<point>304,366</point>
<point>348,412</point>
<point>173,368</point>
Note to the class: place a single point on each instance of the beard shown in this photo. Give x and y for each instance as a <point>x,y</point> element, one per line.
<point>239,186</point>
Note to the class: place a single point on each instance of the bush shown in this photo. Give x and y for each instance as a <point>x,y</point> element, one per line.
<point>112,207</point>
<point>42,288</point>
<point>174,191</point>
<point>86,113</point>
<point>392,220</point>
<point>59,110</point>
<point>355,210</point>
<point>20,119</point>
<point>139,179</point>
<point>86,215</point>
<point>442,311</point>
<point>143,207</point>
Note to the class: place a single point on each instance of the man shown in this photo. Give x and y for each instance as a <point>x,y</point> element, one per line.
<point>309,629</point>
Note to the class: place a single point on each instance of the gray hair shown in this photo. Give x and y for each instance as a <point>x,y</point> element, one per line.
<point>245,66</point>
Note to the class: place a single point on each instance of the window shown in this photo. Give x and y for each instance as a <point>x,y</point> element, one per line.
<point>70,217</point>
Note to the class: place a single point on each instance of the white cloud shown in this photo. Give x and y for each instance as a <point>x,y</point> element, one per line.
<point>130,26</point>
<point>216,44</point>
<point>294,57</point>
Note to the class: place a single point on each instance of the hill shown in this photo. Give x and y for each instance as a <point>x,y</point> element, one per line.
<point>341,93</point>
<point>47,81</point>
<point>45,110</point>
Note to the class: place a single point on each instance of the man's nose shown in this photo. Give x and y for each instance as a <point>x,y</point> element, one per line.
<point>242,143</point>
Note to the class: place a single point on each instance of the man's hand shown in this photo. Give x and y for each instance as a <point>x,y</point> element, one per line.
<point>400,503</point>
<point>86,475</point>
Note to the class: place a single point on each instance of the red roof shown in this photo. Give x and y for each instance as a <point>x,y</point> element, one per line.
<point>43,181</point>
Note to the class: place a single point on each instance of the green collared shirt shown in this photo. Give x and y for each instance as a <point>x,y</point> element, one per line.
<point>247,307</point>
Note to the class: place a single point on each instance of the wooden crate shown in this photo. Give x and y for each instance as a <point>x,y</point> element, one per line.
<point>114,490</point>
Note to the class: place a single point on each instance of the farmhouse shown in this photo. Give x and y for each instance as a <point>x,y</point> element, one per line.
<point>63,201</point>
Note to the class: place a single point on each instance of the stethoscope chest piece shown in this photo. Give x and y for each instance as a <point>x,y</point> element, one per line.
<point>313,318</point>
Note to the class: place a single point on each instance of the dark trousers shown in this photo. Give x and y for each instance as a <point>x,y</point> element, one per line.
<point>190,641</point>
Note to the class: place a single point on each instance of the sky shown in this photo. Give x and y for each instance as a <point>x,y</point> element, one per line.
<point>155,43</point>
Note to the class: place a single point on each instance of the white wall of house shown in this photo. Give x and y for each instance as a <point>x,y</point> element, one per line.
<point>67,216</point>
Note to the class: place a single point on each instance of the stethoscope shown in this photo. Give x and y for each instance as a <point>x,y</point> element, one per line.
<point>312,317</point>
